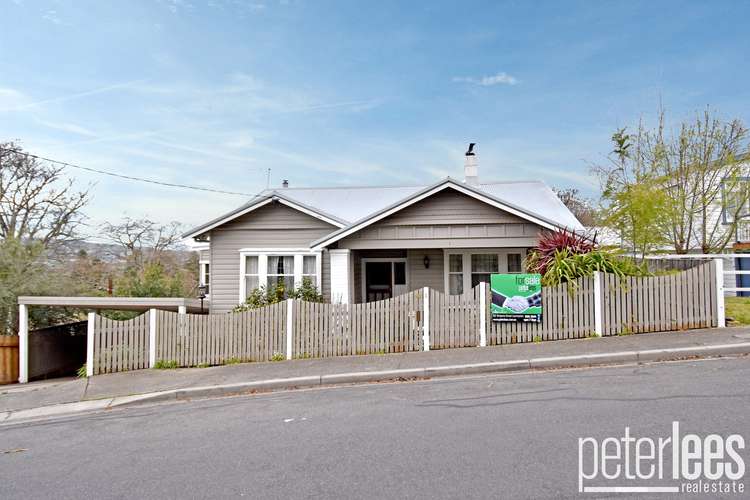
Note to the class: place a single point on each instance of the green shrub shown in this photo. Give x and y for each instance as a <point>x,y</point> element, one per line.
<point>164,364</point>
<point>263,296</point>
<point>81,372</point>
<point>566,267</point>
<point>537,339</point>
<point>232,361</point>
<point>277,356</point>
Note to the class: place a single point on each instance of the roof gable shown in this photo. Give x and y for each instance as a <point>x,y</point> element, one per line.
<point>448,183</point>
<point>257,203</point>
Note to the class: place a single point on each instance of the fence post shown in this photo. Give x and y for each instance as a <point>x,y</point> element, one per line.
<point>482,314</point>
<point>289,323</point>
<point>598,299</point>
<point>151,338</point>
<point>426,320</point>
<point>90,345</point>
<point>720,312</point>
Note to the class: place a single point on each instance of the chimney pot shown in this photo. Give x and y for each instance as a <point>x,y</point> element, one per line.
<point>285,183</point>
<point>471,169</point>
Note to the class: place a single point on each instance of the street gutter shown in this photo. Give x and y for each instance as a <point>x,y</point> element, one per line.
<point>410,374</point>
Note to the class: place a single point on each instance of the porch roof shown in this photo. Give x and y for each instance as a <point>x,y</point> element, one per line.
<point>117,303</point>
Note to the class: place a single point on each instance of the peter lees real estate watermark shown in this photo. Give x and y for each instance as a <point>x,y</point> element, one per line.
<point>628,464</point>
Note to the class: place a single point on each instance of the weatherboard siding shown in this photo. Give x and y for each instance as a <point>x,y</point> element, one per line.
<point>271,226</point>
<point>448,219</point>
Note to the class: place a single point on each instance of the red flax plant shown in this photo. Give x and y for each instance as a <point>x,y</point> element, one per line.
<point>554,242</point>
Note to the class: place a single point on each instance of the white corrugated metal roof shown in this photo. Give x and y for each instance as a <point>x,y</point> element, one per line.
<point>355,203</point>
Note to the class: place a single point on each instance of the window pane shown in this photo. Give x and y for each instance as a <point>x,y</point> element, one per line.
<point>514,262</point>
<point>399,273</point>
<point>312,279</point>
<point>251,264</point>
<point>477,278</point>
<point>280,264</point>
<point>455,263</point>
<point>309,264</point>
<point>455,284</point>
<point>251,283</point>
<point>484,263</point>
<point>286,281</point>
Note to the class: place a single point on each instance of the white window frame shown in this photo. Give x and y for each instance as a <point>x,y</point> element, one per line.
<point>202,274</point>
<point>264,253</point>
<point>466,253</point>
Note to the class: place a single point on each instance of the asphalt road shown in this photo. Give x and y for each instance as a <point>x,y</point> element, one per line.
<point>503,436</point>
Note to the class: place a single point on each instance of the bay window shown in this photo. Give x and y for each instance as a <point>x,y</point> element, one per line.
<point>270,268</point>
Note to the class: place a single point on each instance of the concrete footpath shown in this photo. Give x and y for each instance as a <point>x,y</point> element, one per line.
<point>66,396</point>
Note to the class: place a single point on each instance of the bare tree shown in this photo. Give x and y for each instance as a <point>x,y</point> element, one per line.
<point>143,240</point>
<point>36,202</point>
<point>579,205</point>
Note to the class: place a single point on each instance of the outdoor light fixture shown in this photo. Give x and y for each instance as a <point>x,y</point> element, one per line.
<point>202,294</point>
<point>426,262</point>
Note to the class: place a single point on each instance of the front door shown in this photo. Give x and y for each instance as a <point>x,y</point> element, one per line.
<point>384,279</point>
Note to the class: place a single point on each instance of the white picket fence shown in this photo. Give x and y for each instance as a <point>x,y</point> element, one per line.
<point>423,319</point>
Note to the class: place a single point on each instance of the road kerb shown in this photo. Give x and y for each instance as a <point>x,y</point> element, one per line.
<point>622,357</point>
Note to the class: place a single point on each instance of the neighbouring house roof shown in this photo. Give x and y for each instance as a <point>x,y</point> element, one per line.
<point>345,207</point>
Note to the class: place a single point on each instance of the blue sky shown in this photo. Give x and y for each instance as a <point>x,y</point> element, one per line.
<point>214,92</point>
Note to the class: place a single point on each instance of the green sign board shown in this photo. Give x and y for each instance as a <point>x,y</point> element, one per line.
<point>516,297</point>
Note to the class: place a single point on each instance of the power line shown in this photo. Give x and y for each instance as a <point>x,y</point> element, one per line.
<point>128,177</point>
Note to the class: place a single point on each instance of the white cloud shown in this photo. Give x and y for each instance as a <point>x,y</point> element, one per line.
<point>488,81</point>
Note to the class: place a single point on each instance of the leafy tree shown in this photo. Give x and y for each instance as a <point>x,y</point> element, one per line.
<point>685,189</point>
<point>152,281</point>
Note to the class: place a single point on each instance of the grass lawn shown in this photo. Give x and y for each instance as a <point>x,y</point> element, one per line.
<point>738,308</point>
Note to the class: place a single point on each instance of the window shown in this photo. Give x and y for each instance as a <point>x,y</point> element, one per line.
<point>465,269</point>
<point>514,263</point>
<point>280,271</point>
<point>252,278</point>
<point>455,274</point>
<point>482,266</point>
<point>310,269</point>
<point>205,275</point>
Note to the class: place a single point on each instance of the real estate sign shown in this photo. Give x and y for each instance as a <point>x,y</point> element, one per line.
<point>516,297</point>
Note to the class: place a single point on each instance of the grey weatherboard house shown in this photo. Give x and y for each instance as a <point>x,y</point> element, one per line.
<point>359,244</point>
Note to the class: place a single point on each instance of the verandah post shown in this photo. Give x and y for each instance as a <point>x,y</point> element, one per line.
<point>289,323</point>
<point>598,299</point>
<point>90,345</point>
<point>720,312</point>
<point>426,320</point>
<point>482,314</point>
